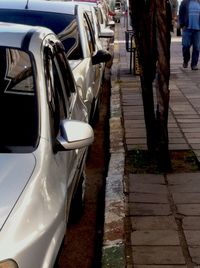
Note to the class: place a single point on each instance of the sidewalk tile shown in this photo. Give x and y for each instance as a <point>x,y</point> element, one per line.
<point>155,238</point>
<point>148,198</point>
<point>158,255</point>
<point>142,209</point>
<point>191,223</point>
<point>194,252</point>
<point>189,209</point>
<point>153,223</point>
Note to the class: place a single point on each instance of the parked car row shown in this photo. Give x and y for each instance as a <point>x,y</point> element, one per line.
<point>74,28</point>
<point>52,62</point>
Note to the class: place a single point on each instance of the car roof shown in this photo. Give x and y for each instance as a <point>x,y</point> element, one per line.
<point>19,35</point>
<point>68,7</point>
<point>86,3</point>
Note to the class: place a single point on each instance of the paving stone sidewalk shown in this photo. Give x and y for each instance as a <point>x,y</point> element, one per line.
<point>152,220</point>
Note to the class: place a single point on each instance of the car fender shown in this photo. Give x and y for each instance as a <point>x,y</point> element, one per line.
<point>83,72</point>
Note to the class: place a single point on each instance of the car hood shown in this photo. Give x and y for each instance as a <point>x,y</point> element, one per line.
<point>15,171</point>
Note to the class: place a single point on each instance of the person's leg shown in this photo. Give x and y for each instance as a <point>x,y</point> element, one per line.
<point>186,43</point>
<point>195,49</point>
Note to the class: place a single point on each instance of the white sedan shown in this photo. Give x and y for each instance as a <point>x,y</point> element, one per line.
<point>43,144</point>
<point>68,20</point>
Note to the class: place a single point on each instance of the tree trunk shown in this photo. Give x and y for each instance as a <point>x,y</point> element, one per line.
<point>163,37</point>
<point>143,21</point>
<point>151,21</point>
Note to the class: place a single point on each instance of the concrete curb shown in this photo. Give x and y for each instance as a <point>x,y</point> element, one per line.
<point>113,249</point>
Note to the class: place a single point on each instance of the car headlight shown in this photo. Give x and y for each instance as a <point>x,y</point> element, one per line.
<point>8,264</point>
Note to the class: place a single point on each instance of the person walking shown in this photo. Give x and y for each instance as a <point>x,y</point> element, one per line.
<point>189,20</point>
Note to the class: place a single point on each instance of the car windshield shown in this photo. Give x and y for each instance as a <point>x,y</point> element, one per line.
<point>18,104</point>
<point>118,5</point>
<point>64,25</point>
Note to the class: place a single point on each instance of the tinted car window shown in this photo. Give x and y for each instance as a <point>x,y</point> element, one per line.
<point>99,15</point>
<point>60,85</point>
<point>18,102</point>
<point>90,34</point>
<point>64,25</point>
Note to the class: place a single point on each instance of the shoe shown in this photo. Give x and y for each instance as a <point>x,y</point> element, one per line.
<point>194,68</point>
<point>185,65</point>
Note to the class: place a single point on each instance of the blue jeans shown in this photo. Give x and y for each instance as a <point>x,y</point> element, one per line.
<point>191,38</point>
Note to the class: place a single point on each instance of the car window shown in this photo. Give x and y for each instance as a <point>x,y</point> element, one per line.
<point>64,25</point>
<point>18,101</point>
<point>118,5</point>
<point>90,17</point>
<point>98,19</point>
<point>65,70</point>
<point>70,37</point>
<point>57,87</point>
<point>99,15</point>
<point>90,33</point>
<point>103,15</point>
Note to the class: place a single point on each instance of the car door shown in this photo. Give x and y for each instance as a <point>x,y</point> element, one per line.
<point>61,106</point>
<point>97,68</point>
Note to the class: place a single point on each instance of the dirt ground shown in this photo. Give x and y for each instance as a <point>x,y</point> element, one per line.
<point>138,161</point>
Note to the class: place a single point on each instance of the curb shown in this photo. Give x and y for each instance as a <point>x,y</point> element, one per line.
<point>113,248</point>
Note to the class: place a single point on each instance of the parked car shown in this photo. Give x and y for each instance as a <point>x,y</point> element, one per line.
<point>76,34</point>
<point>104,17</point>
<point>118,11</point>
<point>103,33</point>
<point>43,144</point>
<point>107,12</point>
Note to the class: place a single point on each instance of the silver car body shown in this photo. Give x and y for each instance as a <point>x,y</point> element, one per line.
<point>103,33</point>
<point>37,177</point>
<point>105,9</point>
<point>87,74</point>
<point>102,36</point>
<point>118,11</point>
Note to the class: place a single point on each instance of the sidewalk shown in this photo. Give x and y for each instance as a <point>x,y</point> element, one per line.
<point>151,220</point>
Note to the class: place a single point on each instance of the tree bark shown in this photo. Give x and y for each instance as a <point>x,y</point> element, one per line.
<point>143,21</point>
<point>151,21</point>
<point>163,37</point>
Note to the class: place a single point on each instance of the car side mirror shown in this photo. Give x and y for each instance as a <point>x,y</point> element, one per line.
<point>101,56</point>
<point>74,135</point>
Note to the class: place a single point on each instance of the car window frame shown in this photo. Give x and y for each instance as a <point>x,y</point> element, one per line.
<point>90,33</point>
